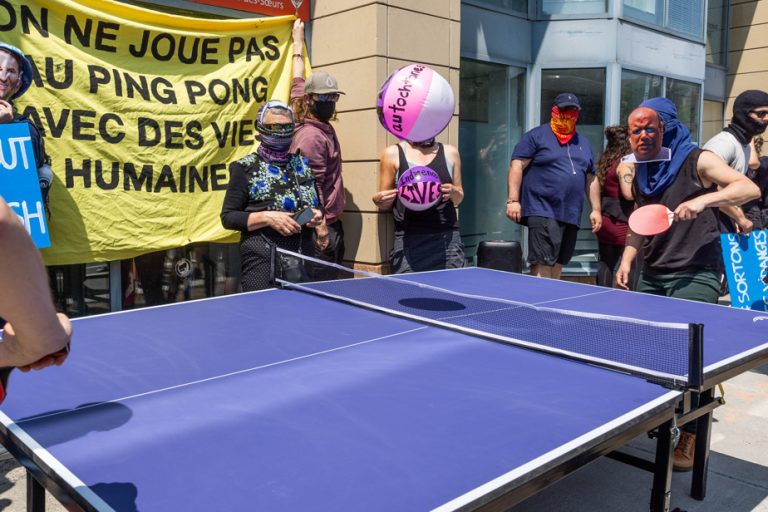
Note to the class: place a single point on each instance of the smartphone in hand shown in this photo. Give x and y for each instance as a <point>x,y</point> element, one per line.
<point>303,216</point>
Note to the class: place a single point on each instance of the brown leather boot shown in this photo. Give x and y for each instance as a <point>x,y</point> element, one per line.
<point>683,458</point>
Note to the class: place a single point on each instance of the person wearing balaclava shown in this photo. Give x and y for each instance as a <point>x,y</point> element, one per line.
<point>267,195</point>
<point>734,145</point>
<point>314,101</point>
<point>552,166</point>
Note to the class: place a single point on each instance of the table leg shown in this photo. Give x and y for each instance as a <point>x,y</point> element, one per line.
<point>661,493</point>
<point>701,455</point>
<point>35,495</point>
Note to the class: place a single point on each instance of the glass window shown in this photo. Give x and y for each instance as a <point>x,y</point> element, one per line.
<point>573,7</point>
<point>716,16</point>
<point>186,273</point>
<point>649,11</point>
<point>683,16</point>
<point>589,86</point>
<point>687,98</point>
<point>635,88</point>
<point>491,121</point>
<point>512,5</point>
<point>686,16</point>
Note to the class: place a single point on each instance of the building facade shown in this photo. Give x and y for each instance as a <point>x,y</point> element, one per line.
<point>506,60</point>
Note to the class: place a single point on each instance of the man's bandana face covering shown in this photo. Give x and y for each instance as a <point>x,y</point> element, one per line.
<point>323,110</point>
<point>563,124</point>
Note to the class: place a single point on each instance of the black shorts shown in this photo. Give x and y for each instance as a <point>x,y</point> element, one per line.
<point>550,241</point>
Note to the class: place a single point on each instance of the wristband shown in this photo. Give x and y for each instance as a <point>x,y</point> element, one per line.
<point>510,201</point>
<point>298,55</point>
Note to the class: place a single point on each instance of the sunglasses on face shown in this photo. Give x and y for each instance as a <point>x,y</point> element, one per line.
<point>760,114</point>
<point>333,98</point>
<point>649,130</point>
<point>279,127</point>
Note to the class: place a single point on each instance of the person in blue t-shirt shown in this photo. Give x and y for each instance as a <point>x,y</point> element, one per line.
<point>552,166</point>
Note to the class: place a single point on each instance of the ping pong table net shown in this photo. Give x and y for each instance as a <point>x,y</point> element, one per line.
<point>658,351</point>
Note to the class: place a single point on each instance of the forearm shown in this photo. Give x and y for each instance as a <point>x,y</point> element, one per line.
<point>633,244</point>
<point>457,195</point>
<point>257,220</point>
<point>26,298</point>
<point>298,60</point>
<point>732,195</point>
<point>593,192</point>
<point>514,180</point>
<point>734,212</point>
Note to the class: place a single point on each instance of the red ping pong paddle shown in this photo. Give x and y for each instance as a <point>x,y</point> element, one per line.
<point>5,372</point>
<point>651,219</point>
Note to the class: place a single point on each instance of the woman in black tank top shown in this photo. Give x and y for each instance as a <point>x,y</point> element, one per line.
<point>426,240</point>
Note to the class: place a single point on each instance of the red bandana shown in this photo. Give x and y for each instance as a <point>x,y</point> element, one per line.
<point>563,124</point>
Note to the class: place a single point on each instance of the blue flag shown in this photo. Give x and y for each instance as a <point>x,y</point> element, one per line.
<point>19,184</point>
<point>746,267</point>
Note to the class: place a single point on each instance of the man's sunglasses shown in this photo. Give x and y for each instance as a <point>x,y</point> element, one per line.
<point>279,127</point>
<point>333,98</point>
<point>760,114</point>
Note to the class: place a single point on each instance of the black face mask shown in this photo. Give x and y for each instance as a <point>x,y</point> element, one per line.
<point>323,110</point>
<point>743,126</point>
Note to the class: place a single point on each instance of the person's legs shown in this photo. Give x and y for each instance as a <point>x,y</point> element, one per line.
<point>454,249</point>
<point>542,270</point>
<point>544,241</point>
<point>648,282</point>
<point>703,286</point>
<point>567,234</point>
<point>609,255</point>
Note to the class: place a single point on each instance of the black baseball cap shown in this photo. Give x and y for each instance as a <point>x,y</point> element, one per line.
<point>567,99</point>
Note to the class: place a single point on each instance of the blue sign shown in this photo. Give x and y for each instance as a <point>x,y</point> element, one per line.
<point>746,267</point>
<point>19,184</point>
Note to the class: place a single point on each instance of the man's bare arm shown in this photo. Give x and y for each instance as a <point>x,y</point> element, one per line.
<point>35,330</point>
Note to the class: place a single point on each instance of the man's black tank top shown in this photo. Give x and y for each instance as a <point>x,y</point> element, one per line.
<point>688,246</point>
<point>440,217</point>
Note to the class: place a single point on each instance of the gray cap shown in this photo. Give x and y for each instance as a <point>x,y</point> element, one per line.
<point>320,82</point>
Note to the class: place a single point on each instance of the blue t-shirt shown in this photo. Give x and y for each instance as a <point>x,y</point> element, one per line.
<point>555,180</point>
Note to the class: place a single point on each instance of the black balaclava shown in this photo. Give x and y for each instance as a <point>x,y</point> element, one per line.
<point>743,126</point>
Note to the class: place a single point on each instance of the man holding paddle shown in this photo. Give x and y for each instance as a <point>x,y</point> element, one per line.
<point>681,246</point>
<point>685,260</point>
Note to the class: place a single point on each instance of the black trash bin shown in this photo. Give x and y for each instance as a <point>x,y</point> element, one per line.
<point>500,255</point>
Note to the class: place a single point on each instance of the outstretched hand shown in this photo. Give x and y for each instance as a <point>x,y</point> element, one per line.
<point>29,355</point>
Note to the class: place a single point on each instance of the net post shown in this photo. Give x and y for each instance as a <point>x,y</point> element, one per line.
<point>695,355</point>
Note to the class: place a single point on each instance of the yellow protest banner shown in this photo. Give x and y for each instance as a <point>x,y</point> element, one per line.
<point>142,112</point>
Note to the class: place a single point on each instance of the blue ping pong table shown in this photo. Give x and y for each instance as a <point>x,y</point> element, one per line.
<point>282,401</point>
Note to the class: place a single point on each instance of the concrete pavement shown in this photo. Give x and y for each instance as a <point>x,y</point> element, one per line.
<point>738,467</point>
